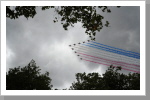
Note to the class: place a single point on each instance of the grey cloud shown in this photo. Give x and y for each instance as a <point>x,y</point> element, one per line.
<point>47,43</point>
<point>124,30</point>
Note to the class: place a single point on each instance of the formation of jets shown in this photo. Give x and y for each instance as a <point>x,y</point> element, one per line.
<point>78,43</point>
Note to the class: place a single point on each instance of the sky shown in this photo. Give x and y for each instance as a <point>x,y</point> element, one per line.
<point>48,43</point>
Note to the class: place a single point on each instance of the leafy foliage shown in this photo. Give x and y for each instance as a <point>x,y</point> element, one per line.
<point>27,78</point>
<point>15,12</point>
<point>111,80</point>
<point>87,15</point>
<point>27,11</point>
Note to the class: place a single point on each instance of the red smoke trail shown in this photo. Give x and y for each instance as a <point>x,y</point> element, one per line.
<point>108,54</point>
<point>109,65</point>
<point>111,62</point>
<point>108,60</point>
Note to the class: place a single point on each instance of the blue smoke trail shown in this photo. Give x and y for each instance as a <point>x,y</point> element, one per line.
<point>114,51</point>
<point>117,48</point>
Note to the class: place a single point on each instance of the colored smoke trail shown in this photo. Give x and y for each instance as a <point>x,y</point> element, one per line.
<point>118,48</point>
<point>109,65</point>
<point>99,51</point>
<point>106,55</point>
<point>113,51</point>
<point>110,61</point>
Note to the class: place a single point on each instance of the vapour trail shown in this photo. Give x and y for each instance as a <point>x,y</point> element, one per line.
<point>112,48</point>
<point>116,48</point>
<point>99,50</point>
<point>113,51</point>
<point>103,54</point>
<point>109,65</point>
<point>107,61</point>
<point>97,57</point>
<point>109,55</point>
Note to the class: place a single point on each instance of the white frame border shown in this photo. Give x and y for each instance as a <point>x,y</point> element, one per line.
<point>73,92</point>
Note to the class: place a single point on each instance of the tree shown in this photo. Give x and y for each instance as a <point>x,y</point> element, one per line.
<point>87,15</point>
<point>27,78</point>
<point>110,80</point>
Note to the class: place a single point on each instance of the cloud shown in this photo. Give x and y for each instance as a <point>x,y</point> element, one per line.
<point>48,43</point>
<point>124,30</point>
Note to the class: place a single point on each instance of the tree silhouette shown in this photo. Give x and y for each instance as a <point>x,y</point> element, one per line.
<point>110,80</point>
<point>27,78</point>
<point>89,16</point>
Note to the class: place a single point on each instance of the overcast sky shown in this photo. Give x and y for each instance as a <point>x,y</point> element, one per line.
<point>47,42</point>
